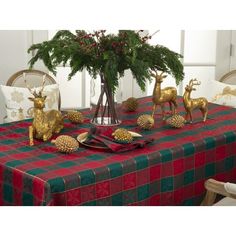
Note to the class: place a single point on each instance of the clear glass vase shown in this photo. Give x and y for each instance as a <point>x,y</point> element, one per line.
<point>105,106</point>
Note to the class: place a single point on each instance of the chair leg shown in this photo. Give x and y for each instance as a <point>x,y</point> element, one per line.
<point>209,199</point>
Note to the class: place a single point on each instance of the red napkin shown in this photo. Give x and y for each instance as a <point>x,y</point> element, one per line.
<point>103,137</point>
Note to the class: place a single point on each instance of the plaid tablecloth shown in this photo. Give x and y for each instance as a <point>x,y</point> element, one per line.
<point>169,171</point>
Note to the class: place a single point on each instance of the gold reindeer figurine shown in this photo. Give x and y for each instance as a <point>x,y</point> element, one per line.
<point>191,104</point>
<point>161,96</point>
<point>44,123</point>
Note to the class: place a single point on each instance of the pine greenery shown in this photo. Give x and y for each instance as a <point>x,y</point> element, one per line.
<point>107,54</point>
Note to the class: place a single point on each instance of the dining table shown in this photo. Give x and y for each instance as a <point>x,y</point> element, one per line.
<point>169,171</point>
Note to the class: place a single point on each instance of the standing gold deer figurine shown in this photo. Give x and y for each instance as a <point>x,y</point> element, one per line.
<point>44,123</point>
<point>161,96</point>
<point>191,104</point>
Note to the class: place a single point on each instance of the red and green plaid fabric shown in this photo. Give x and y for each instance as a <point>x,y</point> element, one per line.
<point>169,171</point>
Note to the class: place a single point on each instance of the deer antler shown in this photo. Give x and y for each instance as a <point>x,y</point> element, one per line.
<point>160,76</point>
<point>193,82</point>
<point>33,92</point>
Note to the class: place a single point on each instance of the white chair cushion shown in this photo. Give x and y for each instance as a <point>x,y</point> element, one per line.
<point>19,107</point>
<point>221,93</point>
<point>227,201</point>
<point>230,188</point>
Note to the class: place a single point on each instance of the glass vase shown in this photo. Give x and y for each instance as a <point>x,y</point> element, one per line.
<point>105,106</point>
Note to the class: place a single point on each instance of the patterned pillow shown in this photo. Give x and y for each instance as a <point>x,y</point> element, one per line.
<point>19,107</point>
<point>221,93</point>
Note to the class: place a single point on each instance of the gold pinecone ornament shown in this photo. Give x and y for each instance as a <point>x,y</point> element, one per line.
<point>75,117</point>
<point>131,104</point>
<point>122,136</point>
<point>145,122</point>
<point>176,121</point>
<point>66,144</point>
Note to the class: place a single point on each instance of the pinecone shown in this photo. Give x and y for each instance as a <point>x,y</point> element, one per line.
<point>75,117</point>
<point>176,121</point>
<point>122,136</point>
<point>131,104</point>
<point>145,121</point>
<point>66,144</point>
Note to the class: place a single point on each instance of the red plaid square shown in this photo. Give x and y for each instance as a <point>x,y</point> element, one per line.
<point>18,179</point>
<point>17,197</point>
<point>189,163</point>
<point>88,193</point>
<point>210,156</point>
<point>200,159</point>
<point>59,199</point>
<point>155,200</point>
<point>4,148</point>
<point>73,197</point>
<point>178,196</point>
<point>129,181</point>
<point>220,153</point>
<point>188,191</point>
<point>103,189</point>
<point>167,199</point>
<point>116,185</point>
<point>38,188</point>
<point>166,169</point>
<point>155,172</point>
<point>178,166</point>
<point>143,176</point>
<point>199,187</point>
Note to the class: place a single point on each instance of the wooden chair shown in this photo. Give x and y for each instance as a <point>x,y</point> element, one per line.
<point>34,79</point>
<point>17,80</point>
<point>214,187</point>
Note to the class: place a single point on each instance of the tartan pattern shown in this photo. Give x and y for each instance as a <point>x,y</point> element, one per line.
<point>169,171</point>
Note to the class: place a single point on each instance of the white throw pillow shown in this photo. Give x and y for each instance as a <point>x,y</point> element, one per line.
<point>221,93</point>
<point>19,107</point>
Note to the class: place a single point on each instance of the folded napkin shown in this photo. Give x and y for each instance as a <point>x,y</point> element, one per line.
<point>102,137</point>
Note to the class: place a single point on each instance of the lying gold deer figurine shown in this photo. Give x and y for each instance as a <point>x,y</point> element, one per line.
<point>44,123</point>
<point>191,104</point>
<point>161,96</point>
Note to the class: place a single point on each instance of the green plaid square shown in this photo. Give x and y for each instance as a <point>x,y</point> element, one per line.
<point>166,155</point>
<point>210,143</point>
<point>8,193</point>
<point>229,163</point>
<point>36,171</point>
<point>188,177</point>
<point>26,149</point>
<point>87,177</point>
<point>189,202</point>
<point>57,185</point>
<point>20,130</point>
<point>141,162</point>
<point>188,149</point>
<point>230,137</point>
<point>115,170</point>
<point>46,156</point>
<point>14,163</point>
<point>143,192</point>
<point>66,164</point>
<point>95,157</point>
<point>167,184</point>
<point>7,141</point>
<point>117,200</point>
<point>28,199</point>
<point>209,169</point>
<point>92,203</point>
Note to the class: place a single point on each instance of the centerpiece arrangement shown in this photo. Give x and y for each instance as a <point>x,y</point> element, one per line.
<point>108,56</point>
